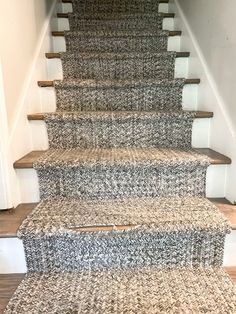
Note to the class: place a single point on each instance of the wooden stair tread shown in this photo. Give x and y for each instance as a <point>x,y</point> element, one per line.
<point>62,34</point>
<point>41,116</point>
<point>11,220</point>
<point>228,209</point>
<point>51,83</point>
<point>28,160</point>
<point>216,158</point>
<point>165,15</point>
<point>56,55</point>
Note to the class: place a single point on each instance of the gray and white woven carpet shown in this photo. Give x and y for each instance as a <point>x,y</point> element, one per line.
<point>123,225</point>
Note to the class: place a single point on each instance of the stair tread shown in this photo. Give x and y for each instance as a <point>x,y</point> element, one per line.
<point>28,160</point>
<point>65,114</point>
<point>146,214</point>
<point>126,33</point>
<point>157,291</point>
<point>116,16</point>
<point>11,220</point>
<point>57,55</point>
<point>117,83</point>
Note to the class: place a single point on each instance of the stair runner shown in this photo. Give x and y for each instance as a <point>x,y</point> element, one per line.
<point>123,225</point>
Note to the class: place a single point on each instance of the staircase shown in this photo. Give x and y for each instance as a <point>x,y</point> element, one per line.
<point>123,224</point>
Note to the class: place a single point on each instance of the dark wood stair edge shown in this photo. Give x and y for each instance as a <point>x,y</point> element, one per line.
<point>51,83</point>
<point>41,116</point>
<point>26,162</point>
<point>165,15</point>
<point>56,55</point>
<point>62,33</point>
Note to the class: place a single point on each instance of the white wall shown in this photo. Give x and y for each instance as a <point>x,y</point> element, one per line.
<point>209,34</point>
<point>25,37</point>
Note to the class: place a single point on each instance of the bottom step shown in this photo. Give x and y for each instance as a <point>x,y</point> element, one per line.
<point>146,290</point>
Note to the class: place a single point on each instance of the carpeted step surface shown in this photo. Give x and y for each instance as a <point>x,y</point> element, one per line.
<point>88,129</point>
<point>147,231</point>
<point>111,21</point>
<point>117,41</point>
<point>120,66</point>
<point>147,290</point>
<point>121,172</point>
<point>110,6</point>
<point>149,94</point>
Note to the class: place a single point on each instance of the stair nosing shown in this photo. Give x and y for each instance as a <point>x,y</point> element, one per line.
<point>56,55</point>
<point>188,81</point>
<point>62,33</point>
<point>41,116</point>
<point>26,162</point>
<point>164,15</point>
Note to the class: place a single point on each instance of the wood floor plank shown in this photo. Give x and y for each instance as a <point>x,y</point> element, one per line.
<point>8,285</point>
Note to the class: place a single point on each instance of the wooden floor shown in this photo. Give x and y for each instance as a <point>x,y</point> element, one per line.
<point>9,283</point>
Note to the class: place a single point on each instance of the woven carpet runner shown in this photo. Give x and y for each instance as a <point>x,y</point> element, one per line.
<point>123,225</point>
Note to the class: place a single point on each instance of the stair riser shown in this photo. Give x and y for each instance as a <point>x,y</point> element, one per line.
<point>13,257</point>
<point>121,68</point>
<point>189,98</point>
<point>59,44</point>
<point>63,24</point>
<point>67,7</point>
<point>29,186</point>
<point>121,250</point>
<point>144,96</point>
<point>55,68</point>
<point>117,131</point>
<point>116,43</point>
<point>200,133</point>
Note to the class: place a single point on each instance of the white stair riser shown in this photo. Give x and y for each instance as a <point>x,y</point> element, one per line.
<point>67,7</point>
<point>29,188</point>
<point>190,93</point>
<point>55,72</point>
<point>12,255</point>
<point>199,134</point>
<point>59,44</point>
<point>63,24</point>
